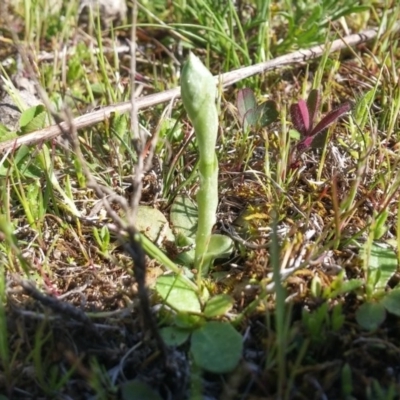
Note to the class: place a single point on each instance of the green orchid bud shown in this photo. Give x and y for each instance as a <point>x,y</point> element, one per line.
<point>198,89</point>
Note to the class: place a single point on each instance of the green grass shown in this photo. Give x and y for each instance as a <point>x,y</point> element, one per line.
<point>309,288</point>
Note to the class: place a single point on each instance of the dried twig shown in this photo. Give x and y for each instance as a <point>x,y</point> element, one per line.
<point>135,250</point>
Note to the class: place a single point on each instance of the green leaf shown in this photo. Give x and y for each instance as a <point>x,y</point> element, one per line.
<point>347,381</point>
<point>187,321</point>
<point>252,115</point>
<point>33,118</point>
<point>293,134</point>
<point>23,161</point>
<point>216,347</point>
<point>183,216</point>
<point>339,287</point>
<point>185,258</point>
<point>153,223</point>
<point>379,227</point>
<point>137,390</point>
<point>267,113</point>
<point>174,336</point>
<point>382,264</point>
<point>177,293</point>
<point>251,119</point>
<point>120,124</point>
<point>98,89</point>
<point>392,302</point>
<point>154,252</point>
<point>6,134</point>
<point>363,107</point>
<point>218,305</point>
<point>246,102</point>
<point>33,193</point>
<point>370,315</point>
<point>220,246</point>
<point>337,317</point>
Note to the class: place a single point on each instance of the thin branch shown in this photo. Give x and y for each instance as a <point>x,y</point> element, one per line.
<point>58,306</point>
<point>137,135</point>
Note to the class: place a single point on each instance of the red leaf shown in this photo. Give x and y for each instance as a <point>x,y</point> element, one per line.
<point>330,118</point>
<point>300,117</point>
<point>313,103</point>
<point>304,144</point>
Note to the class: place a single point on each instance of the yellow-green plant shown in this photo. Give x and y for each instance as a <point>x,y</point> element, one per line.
<point>198,88</point>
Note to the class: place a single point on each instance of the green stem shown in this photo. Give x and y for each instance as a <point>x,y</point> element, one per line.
<point>207,200</point>
<point>198,91</point>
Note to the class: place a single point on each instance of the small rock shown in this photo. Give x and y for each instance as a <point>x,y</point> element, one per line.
<point>110,11</point>
<point>9,111</point>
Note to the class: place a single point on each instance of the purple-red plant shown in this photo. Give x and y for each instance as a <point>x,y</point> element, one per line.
<point>303,118</point>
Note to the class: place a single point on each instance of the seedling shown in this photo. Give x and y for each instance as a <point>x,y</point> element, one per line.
<point>198,96</point>
<point>193,225</point>
<point>303,116</point>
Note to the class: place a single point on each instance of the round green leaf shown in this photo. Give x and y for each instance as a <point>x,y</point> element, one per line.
<point>392,302</point>
<point>370,315</point>
<point>218,305</point>
<point>177,293</point>
<point>152,223</point>
<point>174,336</point>
<point>216,347</point>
